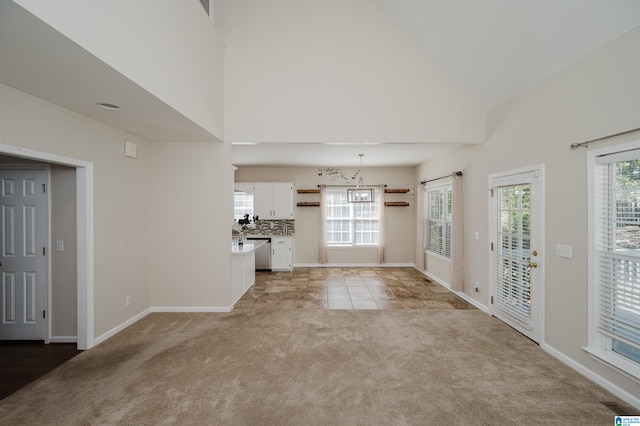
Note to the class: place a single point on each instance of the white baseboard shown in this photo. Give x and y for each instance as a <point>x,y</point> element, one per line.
<point>115,330</point>
<point>463,295</point>
<point>474,302</point>
<point>617,391</point>
<point>354,265</point>
<point>210,309</point>
<point>138,317</point>
<point>589,374</point>
<point>436,279</point>
<point>63,339</point>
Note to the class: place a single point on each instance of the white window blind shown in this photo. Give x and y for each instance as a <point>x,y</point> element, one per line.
<point>616,209</point>
<point>351,223</point>
<point>242,204</point>
<point>438,221</point>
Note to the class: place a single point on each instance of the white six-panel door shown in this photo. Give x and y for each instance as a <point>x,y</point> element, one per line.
<point>23,211</point>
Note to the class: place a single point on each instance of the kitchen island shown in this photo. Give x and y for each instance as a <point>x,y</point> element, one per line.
<point>243,267</point>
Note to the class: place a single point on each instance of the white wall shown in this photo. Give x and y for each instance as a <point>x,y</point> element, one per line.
<point>400,221</point>
<point>597,96</point>
<point>160,219</point>
<point>121,201</point>
<point>167,47</point>
<point>159,215</point>
<point>438,267</point>
<point>192,187</point>
<point>348,74</point>
<point>63,263</point>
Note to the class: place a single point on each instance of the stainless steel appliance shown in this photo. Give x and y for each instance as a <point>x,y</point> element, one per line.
<point>263,254</point>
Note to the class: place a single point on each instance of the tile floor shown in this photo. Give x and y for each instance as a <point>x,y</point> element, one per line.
<point>348,288</point>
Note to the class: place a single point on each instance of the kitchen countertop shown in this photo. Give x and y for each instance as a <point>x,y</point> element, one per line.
<point>247,236</point>
<point>247,247</point>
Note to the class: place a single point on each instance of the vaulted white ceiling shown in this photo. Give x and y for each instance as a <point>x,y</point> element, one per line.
<point>491,50</point>
<point>39,60</point>
<point>398,80</point>
<point>497,49</point>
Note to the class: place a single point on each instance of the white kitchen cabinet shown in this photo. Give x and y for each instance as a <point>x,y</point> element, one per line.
<point>281,253</point>
<point>243,269</point>
<point>273,200</point>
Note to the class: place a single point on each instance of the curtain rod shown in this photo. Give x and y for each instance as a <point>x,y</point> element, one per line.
<point>577,145</point>
<point>349,186</point>
<point>458,173</point>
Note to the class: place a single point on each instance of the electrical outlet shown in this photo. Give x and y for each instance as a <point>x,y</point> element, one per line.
<point>312,255</point>
<point>127,301</point>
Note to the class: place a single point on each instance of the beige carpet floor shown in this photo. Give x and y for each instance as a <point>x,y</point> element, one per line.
<point>313,367</point>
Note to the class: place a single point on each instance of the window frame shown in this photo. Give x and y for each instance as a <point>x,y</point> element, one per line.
<point>599,344</point>
<point>352,219</point>
<point>247,204</point>
<point>446,188</point>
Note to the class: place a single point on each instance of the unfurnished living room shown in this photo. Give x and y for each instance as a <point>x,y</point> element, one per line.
<point>320,212</point>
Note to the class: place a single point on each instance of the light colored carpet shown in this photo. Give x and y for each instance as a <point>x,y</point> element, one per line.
<point>315,367</point>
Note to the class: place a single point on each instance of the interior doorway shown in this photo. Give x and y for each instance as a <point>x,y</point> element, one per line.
<point>516,256</point>
<point>84,234</point>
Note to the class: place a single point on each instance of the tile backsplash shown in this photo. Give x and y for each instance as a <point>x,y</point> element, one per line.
<point>272,227</point>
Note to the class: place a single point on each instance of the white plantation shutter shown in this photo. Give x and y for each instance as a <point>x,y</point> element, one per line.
<point>438,221</point>
<point>513,252</point>
<point>616,203</point>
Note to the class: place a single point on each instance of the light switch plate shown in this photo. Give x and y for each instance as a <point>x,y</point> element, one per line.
<point>59,245</point>
<point>564,251</point>
<point>130,149</point>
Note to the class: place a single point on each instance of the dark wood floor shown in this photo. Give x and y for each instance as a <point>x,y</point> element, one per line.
<point>22,362</point>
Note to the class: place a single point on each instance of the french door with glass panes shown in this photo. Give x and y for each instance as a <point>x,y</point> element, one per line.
<point>516,244</point>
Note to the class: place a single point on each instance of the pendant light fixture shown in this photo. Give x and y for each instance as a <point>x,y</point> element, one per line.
<point>360,194</point>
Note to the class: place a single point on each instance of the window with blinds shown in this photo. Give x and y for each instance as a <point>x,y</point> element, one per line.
<point>513,252</point>
<point>438,221</point>
<point>351,224</point>
<point>242,204</point>
<point>616,256</point>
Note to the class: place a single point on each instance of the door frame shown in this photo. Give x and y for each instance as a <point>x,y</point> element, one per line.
<point>85,235</point>
<point>47,277</point>
<point>538,171</point>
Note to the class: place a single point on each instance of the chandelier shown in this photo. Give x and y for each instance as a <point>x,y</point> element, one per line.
<point>360,194</point>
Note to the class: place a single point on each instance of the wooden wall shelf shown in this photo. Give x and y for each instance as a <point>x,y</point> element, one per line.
<point>387,191</point>
<point>387,204</point>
